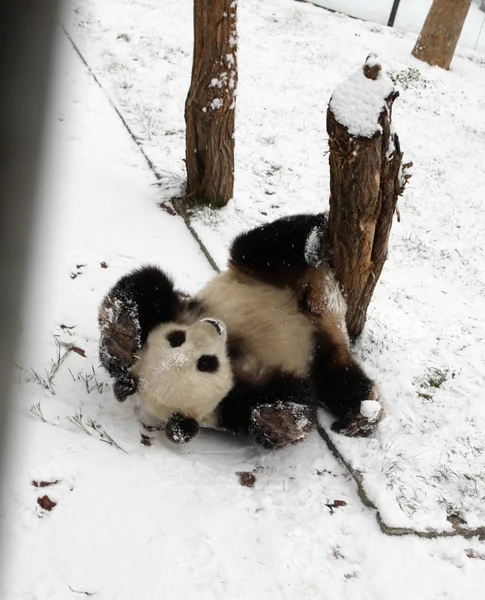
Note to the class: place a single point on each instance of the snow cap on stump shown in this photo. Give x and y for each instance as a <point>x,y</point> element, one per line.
<point>359,100</point>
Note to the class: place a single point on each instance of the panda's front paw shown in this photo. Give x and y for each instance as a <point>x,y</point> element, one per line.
<point>279,425</point>
<point>180,429</point>
<point>362,423</point>
<point>122,388</point>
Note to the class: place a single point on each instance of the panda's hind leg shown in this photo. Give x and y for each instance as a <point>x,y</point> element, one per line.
<point>280,252</point>
<point>341,383</point>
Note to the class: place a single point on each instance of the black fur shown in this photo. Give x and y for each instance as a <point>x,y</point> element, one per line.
<point>235,347</point>
<point>275,253</point>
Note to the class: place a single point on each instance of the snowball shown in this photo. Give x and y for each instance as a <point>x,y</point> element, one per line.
<point>370,409</point>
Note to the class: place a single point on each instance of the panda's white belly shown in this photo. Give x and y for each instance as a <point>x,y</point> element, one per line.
<point>275,333</point>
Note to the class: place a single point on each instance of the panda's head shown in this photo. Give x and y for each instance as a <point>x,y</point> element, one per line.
<point>184,372</point>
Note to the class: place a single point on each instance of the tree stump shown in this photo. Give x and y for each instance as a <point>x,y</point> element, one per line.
<point>441,31</point>
<point>210,104</point>
<point>366,178</point>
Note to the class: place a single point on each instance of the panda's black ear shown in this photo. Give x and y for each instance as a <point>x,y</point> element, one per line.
<point>180,429</point>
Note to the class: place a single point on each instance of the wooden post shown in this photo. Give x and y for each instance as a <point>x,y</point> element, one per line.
<point>210,104</point>
<point>366,178</point>
<point>441,31</point>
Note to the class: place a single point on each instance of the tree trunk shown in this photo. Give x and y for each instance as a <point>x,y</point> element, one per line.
<point>366,178</point>
<point>441,31</point>
<point>210,104</point>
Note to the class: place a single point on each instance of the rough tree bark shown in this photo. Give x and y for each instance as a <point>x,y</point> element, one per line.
<point>441,31</point>
<point>366,178</point>
<point>210,104</point>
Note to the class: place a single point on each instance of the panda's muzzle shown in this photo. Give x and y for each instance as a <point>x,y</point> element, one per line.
<point>217,324</point>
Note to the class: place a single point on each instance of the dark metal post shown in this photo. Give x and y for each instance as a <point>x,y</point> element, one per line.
<point>392,16</point>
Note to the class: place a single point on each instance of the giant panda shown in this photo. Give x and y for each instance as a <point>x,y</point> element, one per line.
<point>255,352</point>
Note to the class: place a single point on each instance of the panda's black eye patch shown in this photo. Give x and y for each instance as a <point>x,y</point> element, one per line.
<point>208,363</point>
<point>176,338</point>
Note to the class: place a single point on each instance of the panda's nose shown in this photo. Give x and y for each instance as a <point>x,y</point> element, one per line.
<point>217,324</point>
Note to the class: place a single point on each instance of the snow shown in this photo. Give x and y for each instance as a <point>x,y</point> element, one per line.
<point>312,248</point>
<point>333,300</point>
<point>143,518</point>
<point>216,103</point>
<point>358,101</point>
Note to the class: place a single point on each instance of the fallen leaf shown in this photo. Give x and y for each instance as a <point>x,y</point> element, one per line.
<point>46,503</point>
<point>79,351</point>
<point>336,504</point>
<point>41,484</point>
<point>103,265</point>
<point>246,479</point>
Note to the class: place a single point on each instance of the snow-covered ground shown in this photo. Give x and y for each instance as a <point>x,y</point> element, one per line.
<point>141,518</point>
<point>410,16</point>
